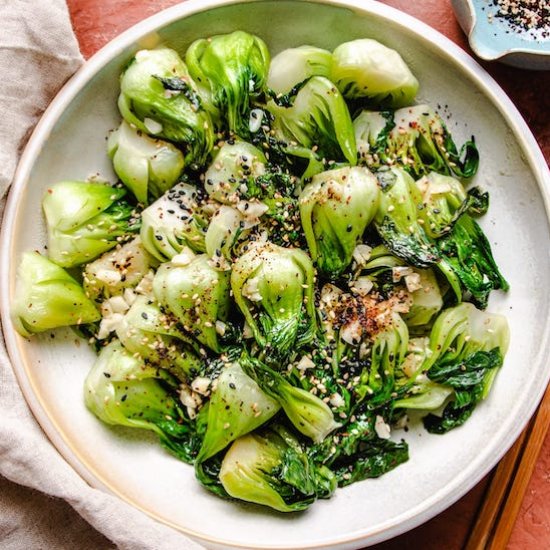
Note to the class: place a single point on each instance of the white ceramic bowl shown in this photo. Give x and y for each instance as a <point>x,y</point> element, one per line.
<point>69,143</point>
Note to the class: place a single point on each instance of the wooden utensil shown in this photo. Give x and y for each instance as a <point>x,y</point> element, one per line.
<point>507,488</point>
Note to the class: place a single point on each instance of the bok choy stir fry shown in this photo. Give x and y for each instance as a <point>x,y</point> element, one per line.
<point>286,265</point>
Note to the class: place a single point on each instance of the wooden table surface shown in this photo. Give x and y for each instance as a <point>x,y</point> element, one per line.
<point>98,21</point>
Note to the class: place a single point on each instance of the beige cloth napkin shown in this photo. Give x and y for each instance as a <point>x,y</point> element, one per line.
<point>38,53</point>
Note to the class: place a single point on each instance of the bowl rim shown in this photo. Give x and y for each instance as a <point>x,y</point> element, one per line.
<point>441,499</point>
<point>499,53</point>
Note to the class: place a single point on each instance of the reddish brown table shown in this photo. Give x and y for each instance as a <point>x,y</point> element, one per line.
<point>98,21</point>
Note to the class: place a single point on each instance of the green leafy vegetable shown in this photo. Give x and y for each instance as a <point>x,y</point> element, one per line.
<point>389,274</point>
<point>470,379</point>
<point>85,219</point>
<point>122,390</point>
<point>465,350</point>
<point>310,415</point>
<point>463,330</point>
<point>372,130</point>
<point>377,380</point>
<point>426,297</point>
<point>233,165</point>
<point>119,270</point>
<point>155,337</point>
<point>237,406</point>
<point>319,120</point>
<point>335,209</point>
<point>163,111</point>
<point>378,458</point>
<point>232,69</point>
<point>444,200</point>
<point>365,68</point>
<point>273,288</point>
<point>270,467</point>
<point>147,166</point>
<point>294,65</point>
<point>397,219</point>
<point>226,226</point>
<point>173,222</point>
<point>426,395</point>
<point>467,260</point>
<point>355,452</point>
<point>417,139</point>
<point>48,297</point>
<point>196,293</point>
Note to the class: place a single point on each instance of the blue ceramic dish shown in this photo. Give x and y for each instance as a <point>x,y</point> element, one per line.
<point>496,39</point>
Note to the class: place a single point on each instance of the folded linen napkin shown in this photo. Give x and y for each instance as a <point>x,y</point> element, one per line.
<point>38,53</point>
